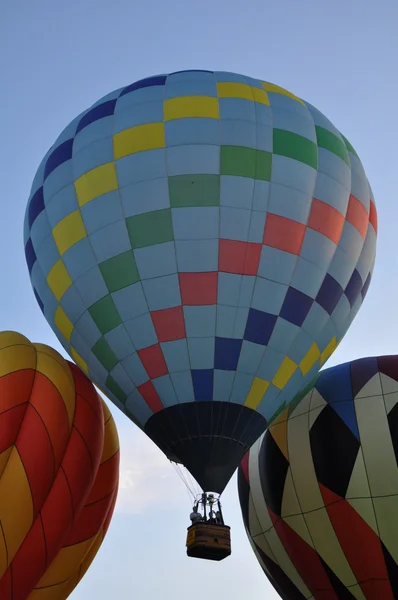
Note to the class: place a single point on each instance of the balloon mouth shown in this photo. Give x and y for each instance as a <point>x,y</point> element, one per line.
<point>209,438</point>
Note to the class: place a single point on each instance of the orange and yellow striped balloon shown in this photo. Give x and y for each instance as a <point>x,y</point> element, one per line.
<point>59,467</point>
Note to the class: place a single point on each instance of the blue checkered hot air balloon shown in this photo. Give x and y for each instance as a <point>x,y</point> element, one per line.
<point>200,243</point>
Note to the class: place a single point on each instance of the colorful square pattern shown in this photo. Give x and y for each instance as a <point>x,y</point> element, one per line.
<point>175,227</point>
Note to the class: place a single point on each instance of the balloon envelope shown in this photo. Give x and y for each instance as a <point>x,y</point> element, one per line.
<point>56,490</point>
<point>319,490</point>
<point>200,242</point>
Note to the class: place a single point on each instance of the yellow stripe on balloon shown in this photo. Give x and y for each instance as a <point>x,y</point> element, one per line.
<point>16,357</point>
<point>51,364</point>
<point>16,506</point>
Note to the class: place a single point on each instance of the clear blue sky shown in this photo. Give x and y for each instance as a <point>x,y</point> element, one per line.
<point>57,58</point>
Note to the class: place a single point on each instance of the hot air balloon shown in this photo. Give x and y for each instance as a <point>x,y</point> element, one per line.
<point>319,490</point>
<point>200,243</point>
<point>59,461</point>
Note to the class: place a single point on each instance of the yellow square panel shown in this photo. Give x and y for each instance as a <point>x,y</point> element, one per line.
<point>186,107</point>
<point>78,360</point>
<point>275,89</point>
<point>310,359</point>
<point>284,373</point>
<point>69,231</point>
<point>235,90</point>
<point>63,323</point>
<point>256,393</point>
<point>138,139</point>
<point>94,183</point>
<point>260,96</point>
<point>59,280</point>
<point>328,351</point>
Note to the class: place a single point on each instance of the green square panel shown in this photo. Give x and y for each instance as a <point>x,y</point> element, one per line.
<point>194,190</point>
<point>295,146</point>
<point>105,314</point>
<point>115,388</point>
<point>238,161</point>
<point>328,140</point>
<point>263,165</point>
<point>119,271</point>
<point>105,354</point>
<point>150,228</point>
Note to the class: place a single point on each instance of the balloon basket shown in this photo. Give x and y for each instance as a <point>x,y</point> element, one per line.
<point>208,541</point>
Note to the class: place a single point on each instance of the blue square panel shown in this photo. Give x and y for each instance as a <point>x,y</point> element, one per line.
<point>176,355</point>
<point>237,109</point>
<point>130,301</point>
<point>293,173</point>
<point>283,335</point>
<point>133,366</point>
<point>90,157</point>
<point>122,378</point>
<point>200,321</point>
<point>296,306</point>
<point>268,296</point>
<point>61,205</point>
<point>156,261</point>
<point>223,382</point>
<point>354,286</point>
<point>256,229</point>
<point>79,258</point>
<point>246,290</point>
<point>227,351</point>
<point>141,166</point>
<point>259,326</point>
<point>342,310</point>
<point>194,87</point>
<point>91,286</point>
<point>329,294</point>
<point>202,380</point>
<point>315,320</point>
<point>317,248</point>
<point>234,132</point>
<point>270,403</point>
<point>241,387</point>
<point>58,179</point>
<point>72,304</point>
<point>148,112</point>
<point>264,136</point>
<point>88,330</point>
<point>289,203</point>
<point>250,357</point>
<point>200,159</point>
<point>133,95</point>
<point>110,241</point>
<point>263,115</point>
<point>142,332</point>
<point>341,267</point>
<point>234,223</point>
<point>102,211</point>
<point>226,321</point>
<point>80,344</point>
<point>164,387</point>
<point>307,277</point>
<point>367,254</point>
<point>351,242</point>
<point>236,191</point>
<point>299,346</point>
<point>201,353</point>
<point>261,195</point>
<point>270,363</point>
<point>139,409</point>
<point>47,254</point>
<point>332,166</point>
<point>162,292</point>
<point>119,342</point>
<point>331,192</point>
<point>145,196</point>
<point>182,382</point>
<point>40,228</point>
<point>287,119</point>
<point>195,223</point>
<point>276,265</point>
<point>229,285</point>
<point>180,132</point>
<point>230,77</point>
<point>95,131</point>
<point>197,256</point>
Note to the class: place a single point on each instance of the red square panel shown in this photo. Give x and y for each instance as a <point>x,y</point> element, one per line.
<point>153,360</point>
<point>151,397</point>
<point>283,233</point>
<point>198,288</point>
<point>373,216</point>
<point>357,215</point>
<point>326,220</point>
<point>241,258</point>
<point>169,324</point>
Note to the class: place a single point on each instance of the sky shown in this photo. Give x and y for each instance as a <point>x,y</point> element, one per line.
<point>56,59</point>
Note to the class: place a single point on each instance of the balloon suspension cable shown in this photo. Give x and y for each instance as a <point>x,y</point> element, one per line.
<point>188,481</point>
<point>207,509</point>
